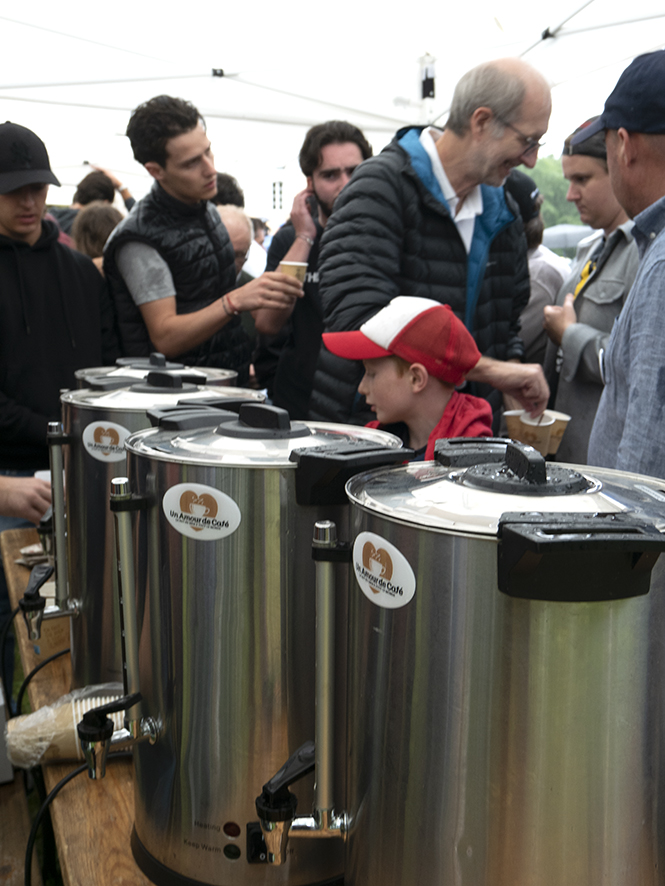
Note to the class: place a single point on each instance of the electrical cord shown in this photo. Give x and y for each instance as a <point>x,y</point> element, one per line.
<point>27,877</point>
<point>3,638</point>
<point>24,684</point>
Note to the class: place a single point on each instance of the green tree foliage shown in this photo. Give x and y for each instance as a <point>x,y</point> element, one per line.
<point>553,186</point>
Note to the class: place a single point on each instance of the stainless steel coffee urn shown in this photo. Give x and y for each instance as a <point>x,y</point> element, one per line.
<point>90,446</point>
<point>134,368</point>
<point>224,650</point>
<point>506,688</point>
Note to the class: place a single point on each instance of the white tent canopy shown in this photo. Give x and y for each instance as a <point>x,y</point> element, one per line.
<point>74,73</point>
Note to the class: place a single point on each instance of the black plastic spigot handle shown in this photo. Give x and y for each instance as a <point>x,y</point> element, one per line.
<point>96,725</point>
<point>299,764</point>
<point>96,716</point>
<point>38,577</point>
<point>276,802</point>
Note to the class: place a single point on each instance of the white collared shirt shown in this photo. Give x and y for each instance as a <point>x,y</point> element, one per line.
<point>472,206</point>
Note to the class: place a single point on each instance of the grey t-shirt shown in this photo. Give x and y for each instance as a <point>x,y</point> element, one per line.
<point>146,274</point>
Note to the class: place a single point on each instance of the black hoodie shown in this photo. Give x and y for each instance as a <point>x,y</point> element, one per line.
<point>55,318</point>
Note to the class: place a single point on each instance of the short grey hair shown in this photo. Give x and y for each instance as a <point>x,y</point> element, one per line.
<point>487,86</point>
<point>229,212</point>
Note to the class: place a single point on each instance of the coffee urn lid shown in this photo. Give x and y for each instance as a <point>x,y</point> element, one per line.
<point>127,368</point>
<point>474,483</point>
<point>157,390</point>
<point>259,436</point>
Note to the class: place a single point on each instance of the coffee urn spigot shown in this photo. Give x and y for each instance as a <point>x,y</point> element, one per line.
<point>95,731</point>
<point>276,805</point>
<point>32,604</point>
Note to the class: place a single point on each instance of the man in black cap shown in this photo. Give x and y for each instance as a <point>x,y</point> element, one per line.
<point>55,316</point>
<point>629,430</point>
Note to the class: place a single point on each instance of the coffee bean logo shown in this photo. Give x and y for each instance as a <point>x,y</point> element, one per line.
<point>202,505</point>
<point>377,561</point>
<point>106,437</point>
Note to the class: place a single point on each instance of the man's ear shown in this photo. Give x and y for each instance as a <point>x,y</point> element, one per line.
<point>155,170</point>
<point>626,146</point>
<point>418,376</point>
<point>481,120</point>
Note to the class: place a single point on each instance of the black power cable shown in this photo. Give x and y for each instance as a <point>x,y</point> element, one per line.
<point>27,876</point>
<point>3,639</point>
<point>24,684</point>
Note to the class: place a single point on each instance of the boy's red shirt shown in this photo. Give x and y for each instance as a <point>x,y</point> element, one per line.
<point>464,416</point>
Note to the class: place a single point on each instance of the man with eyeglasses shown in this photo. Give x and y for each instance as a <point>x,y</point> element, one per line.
<point>428,217</point>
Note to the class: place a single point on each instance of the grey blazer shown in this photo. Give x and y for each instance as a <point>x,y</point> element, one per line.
<point>597,306</point>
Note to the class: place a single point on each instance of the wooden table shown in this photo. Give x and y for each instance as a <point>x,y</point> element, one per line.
<point>92,820</point>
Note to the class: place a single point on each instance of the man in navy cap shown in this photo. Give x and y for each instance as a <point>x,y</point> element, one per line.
<point>629,430</point>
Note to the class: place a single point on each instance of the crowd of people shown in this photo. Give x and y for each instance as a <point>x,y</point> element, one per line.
<point>438,218</point>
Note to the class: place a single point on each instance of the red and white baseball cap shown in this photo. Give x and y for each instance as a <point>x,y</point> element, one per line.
<point>419,330</point>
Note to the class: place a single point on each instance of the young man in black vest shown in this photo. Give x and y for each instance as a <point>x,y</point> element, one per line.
<point>170,263</point>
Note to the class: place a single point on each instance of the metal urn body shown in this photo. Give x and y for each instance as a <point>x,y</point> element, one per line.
<point>502,737</point>
<point>226,615</point>
<point>96,424</point>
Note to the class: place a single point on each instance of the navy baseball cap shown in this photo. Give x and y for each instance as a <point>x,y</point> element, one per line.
<point>637,102</point>
<point>23,159</point>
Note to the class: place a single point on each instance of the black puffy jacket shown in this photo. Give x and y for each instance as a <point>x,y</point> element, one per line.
<point>389,235</point>
<point>195,245</point>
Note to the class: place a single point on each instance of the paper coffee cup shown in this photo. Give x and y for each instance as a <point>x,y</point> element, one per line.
<point>558,429</point>
<point>296,269</point>
<point>49,734</point>
<point>513,425</point>
<point>536,431</point>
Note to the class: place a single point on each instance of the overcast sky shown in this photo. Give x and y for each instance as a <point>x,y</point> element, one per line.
<point>75,77</point>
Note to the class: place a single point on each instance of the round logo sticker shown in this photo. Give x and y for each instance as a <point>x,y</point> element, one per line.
<point>105,440</point>
<point>383,573</point>
<point>200,512</point>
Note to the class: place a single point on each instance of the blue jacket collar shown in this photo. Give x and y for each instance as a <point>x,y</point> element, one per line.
<point>496,215</point>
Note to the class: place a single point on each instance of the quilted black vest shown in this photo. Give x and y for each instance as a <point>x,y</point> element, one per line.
<point>195,245</point>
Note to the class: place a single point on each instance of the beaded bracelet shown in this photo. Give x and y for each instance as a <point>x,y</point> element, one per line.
<point>231,305</point>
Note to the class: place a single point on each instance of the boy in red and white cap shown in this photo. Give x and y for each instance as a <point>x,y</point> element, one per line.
<point>415,351</point>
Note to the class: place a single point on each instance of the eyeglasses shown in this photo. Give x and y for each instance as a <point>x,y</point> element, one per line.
<point>530,144</point>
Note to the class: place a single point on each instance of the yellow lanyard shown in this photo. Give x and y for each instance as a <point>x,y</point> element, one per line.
<point>587,271</point>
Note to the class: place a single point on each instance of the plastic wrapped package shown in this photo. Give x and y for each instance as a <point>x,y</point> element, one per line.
<point>49,735</point>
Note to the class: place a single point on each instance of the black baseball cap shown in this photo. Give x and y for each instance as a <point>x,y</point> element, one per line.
<point>23,159</point>
<point>637,102</point>
<point>525,192</point>
<point>591,146</point>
